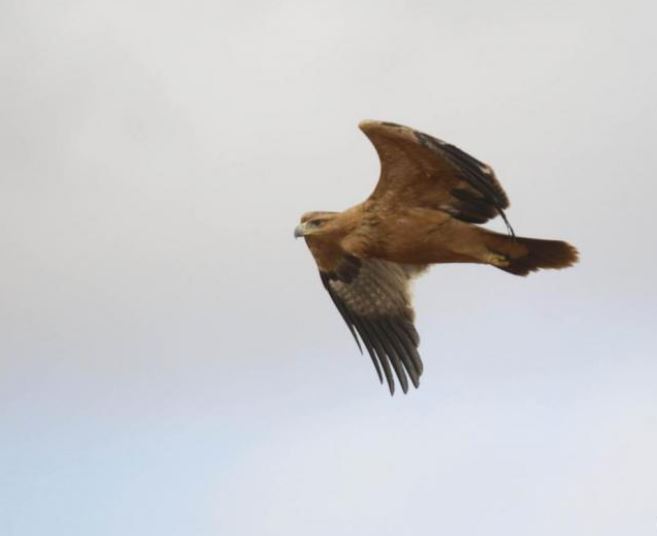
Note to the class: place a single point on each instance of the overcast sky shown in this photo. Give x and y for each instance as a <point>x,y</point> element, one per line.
<point>169,362</point>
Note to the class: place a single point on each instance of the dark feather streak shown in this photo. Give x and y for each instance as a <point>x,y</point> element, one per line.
<point>391,340</point>
<point>346,316</point>
<point>478,176</point>
<point>384,339</point>
<point>365,326</point>
<point>366,338</point>
<point>405,350</point>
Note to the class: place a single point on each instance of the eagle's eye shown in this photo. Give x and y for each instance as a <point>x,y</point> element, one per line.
<point>316,223</point>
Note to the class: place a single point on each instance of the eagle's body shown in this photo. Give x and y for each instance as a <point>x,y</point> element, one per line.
<point>423,211</point>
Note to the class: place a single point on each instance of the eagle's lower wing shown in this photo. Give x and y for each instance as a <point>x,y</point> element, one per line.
<point>422,171</point>
<point>374,300</point>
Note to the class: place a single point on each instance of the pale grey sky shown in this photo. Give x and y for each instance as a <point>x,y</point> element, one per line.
<point>169,363</point>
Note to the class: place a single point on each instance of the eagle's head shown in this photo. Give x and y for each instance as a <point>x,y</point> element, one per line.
<point>314,223</point>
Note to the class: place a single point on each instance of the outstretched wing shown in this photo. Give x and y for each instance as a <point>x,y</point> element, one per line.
<point>374,300</point>
<point>422,171</point>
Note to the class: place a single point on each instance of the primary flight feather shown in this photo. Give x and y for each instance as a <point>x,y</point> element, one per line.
<point>424,210</point>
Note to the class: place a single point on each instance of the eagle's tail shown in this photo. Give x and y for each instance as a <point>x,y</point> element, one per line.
<point>520,256</point>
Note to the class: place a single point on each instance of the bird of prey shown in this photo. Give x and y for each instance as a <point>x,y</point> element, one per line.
<point>425,210</point>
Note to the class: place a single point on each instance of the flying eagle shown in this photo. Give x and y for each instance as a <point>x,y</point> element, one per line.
<point>424,210</point>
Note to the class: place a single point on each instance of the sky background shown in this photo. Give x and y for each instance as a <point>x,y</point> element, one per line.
<point>169,362</point>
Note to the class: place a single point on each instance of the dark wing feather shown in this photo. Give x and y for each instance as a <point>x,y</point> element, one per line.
<point>375,303</point>
<point>422,171</point>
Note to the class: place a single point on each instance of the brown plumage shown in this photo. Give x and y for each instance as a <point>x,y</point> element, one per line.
<point>423,211</point>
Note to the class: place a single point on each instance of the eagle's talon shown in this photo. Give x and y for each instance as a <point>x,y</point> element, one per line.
<point>497,259</point>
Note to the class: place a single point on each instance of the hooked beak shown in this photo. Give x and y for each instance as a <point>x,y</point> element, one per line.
<point>300,230</point>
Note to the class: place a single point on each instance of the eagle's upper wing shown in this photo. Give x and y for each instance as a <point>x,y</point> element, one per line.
<point>374,300</point>
<point>419,170</point>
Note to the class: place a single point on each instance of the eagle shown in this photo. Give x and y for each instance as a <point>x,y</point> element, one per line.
<point>425,209</point>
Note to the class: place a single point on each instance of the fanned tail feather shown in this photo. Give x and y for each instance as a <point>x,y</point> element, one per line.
<point>524,255</point>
